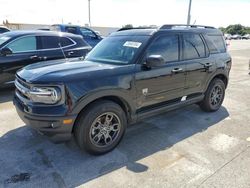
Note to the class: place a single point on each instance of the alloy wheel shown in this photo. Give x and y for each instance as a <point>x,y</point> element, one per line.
<point>105,129</point>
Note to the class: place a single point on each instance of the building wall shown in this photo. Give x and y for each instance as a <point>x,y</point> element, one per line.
<point>105,31</point>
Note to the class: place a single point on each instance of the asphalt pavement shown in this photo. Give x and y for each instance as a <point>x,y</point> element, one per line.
<point>182,148</point>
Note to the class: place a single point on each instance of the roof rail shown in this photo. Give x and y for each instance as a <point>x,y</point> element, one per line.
<point>170,26</point>
<point>128,28</point>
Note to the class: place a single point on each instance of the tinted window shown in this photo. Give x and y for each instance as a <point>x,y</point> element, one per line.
<point>49,42</point>
<point>215,43</point>
<point>87,33</point>
<point>193,46</point>
<point>65,41</point>
<point>71,30</point>
<point>23,44</point>
<point>166,46</point>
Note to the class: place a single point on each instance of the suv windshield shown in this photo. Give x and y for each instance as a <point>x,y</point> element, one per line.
<point>117,49</point>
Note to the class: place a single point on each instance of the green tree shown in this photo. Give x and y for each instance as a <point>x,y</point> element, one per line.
<point>127,26</point>
<point>235,29</point>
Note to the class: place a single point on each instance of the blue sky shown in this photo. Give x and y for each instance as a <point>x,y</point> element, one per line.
<point>121,12</point>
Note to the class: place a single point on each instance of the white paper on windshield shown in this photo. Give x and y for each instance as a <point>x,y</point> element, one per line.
<point>132,44</point>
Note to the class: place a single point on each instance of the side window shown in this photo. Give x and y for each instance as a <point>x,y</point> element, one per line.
<point>49,42</point>
<point>87,33</point>
<point>166,46</point>
<point>215,43</point>
<point>23,44</point>
<point>65,41</point>
<point>71,30</point>
<point>193,47</point>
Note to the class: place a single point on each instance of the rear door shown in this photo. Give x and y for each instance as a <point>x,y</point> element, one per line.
<point>24,52</point>
<point>74,47</point>
<point>165,83</point>
<point>198,65</point>
<point>50,48</point>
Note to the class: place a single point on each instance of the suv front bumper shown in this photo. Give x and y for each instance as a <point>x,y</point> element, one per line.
<point>51,126</point>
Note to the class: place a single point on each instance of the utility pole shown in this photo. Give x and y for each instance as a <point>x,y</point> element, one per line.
<point>189,12</point>
<point>89,15</point>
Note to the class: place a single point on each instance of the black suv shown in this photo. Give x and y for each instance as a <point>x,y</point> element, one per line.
<point>129,76</point>
<point>21,48</point>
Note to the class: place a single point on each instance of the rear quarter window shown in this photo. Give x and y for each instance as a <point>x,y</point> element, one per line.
<point>215,43</point>
<point>66,42</point>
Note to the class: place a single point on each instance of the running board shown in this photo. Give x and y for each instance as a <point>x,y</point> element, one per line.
<point>169,107</point>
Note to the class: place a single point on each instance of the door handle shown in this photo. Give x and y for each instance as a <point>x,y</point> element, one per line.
<point>177,70</point>
<point>207,65</point>
<point>33,57</point>
<point>71,53</point>
<point>43,58</point>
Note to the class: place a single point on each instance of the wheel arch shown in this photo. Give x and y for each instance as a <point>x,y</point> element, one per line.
<point>222,76</point>
<point>123,102</point>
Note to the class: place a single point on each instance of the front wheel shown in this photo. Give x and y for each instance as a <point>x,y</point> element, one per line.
<point>214,96</point>
<point>101,127</point>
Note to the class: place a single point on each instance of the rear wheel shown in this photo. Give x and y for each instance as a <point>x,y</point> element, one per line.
<point>214,96</point>
<point>101,127</point>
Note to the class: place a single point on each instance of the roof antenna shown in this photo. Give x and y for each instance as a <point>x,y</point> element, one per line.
<point>66,59</point>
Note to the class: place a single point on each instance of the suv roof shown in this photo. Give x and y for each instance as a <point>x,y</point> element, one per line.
<point>168,28</point>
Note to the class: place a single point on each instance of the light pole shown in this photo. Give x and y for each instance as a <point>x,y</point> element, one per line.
<point>89,15</point>
<point>189,12</point>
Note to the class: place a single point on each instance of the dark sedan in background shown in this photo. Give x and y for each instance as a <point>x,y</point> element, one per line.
<point>21,48</point>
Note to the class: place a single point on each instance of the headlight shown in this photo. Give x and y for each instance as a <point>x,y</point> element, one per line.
<point>46,95</point>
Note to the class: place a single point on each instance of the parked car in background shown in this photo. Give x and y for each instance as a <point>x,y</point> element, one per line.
<point>246,36</point>
<point>227,36</point>
<point>131,75</point>
<point>21,48</point>
<point>3,29</point>
<point>90,36</point>
<point>236,37</point>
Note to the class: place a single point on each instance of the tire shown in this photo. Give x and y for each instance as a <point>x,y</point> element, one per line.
<point>100,127</point>
<point>214,96</point>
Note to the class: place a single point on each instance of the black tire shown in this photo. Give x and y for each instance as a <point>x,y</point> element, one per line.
<point>87,128</point>
<point>210,102</point>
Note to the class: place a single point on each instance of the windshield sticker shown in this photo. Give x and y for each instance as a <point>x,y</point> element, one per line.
<point>132,44</point>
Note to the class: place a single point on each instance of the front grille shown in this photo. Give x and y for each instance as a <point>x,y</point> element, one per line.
<point>22,89</point>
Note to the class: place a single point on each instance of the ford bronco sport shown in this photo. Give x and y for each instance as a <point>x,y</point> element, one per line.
<point>129,76</point>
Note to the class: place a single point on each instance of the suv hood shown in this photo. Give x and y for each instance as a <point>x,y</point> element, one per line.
<point>59,71</point>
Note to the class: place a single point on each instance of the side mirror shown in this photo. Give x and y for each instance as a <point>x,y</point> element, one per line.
<point>6,51</point>
<point>154,61</point>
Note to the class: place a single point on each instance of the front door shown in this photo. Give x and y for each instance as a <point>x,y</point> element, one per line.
<point>24,52</point>
<point>161,84</point>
